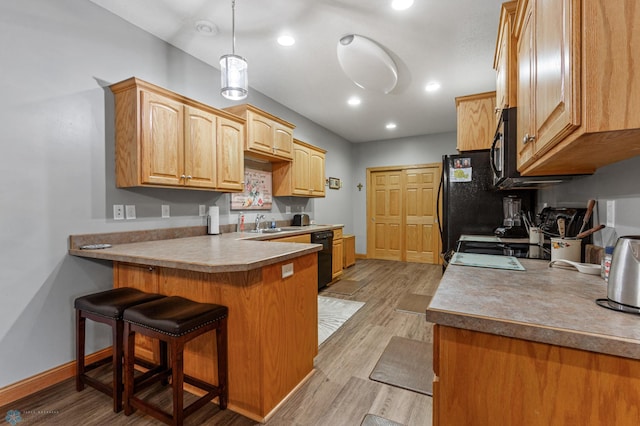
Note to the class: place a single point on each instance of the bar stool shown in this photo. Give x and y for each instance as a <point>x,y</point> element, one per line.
<point>174,321</point>
<point>105,307</point>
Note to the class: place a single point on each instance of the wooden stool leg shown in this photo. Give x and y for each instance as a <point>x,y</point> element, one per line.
<point>221,345</point>
<point>129,338</point>
<point>80,338</point>
<point>118,353</point>
<point>177,378</point>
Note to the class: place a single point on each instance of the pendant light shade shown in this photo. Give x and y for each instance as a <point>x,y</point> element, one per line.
<point>234,80</point>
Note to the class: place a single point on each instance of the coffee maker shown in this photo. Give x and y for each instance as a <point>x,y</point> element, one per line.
<point>512,222</point>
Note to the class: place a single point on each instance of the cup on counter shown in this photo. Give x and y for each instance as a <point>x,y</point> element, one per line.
<point>535,235</point>
<point>566,248</point>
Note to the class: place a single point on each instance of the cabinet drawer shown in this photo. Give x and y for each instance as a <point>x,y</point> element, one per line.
<point>337,234</point>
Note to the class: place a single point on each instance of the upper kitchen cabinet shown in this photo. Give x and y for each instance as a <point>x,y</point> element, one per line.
<point>476,121</point>
<point>164,139</point>
<point>268,137</point>
<point>504,61</point>
<point>304,176</point>
<point>578,89</point>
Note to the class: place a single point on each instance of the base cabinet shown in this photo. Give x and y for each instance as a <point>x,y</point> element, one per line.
<point>336,254</point>
<point>272,326</point>
<point>485,379</point>
<point>349,251</point>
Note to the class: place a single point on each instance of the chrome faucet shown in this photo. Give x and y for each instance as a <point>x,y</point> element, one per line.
<point>259,218</point>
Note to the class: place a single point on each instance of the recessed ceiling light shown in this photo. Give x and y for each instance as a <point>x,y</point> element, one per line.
<point>286,40</point>
<point>391,126</point>
<point>432,87</point>
<point>354,101</point>
<point>206,28</point>
<point>401,4</point>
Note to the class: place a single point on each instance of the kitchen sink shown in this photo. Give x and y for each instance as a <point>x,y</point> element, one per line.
<point>267,231</point>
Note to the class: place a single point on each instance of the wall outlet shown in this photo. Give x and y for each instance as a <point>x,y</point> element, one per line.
<point>287,209</point>
<point>130,211</point>
<point>202,210</point>
<point>118,212</point>
<point>611,213</point>
<point>166,211</point>
<point>287,270</point>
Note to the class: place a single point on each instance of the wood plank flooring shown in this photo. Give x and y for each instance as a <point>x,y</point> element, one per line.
<point>338,393</point>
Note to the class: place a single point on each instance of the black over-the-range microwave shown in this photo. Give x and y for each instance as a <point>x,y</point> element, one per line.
<point>504,151</point>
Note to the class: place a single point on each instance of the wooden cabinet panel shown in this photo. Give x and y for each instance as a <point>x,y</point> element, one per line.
<point>304,238</point>
<point>230,153</point>
<point>348,251</point>
<point>336,254</point>
<point>200,148</point>
<point>267,136</point>
<point>476,121</point>
<point>531,383</point>
<point>505,59</point>
<point>304,176</point>
<point>164,139</point>
<point>584,106</point>
<point>162,121</point>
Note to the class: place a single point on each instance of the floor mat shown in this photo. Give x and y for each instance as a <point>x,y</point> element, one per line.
<point>407,364</point>
<point>332,314</point>
<point>415,303</point>
<point>346,287</point>
<point>371,420</point>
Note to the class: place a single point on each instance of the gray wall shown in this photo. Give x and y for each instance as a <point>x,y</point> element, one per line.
<point>56,117</point>
<point>619,182</point>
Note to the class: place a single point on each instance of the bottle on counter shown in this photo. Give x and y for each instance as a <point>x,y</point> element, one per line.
<point>273,223</point>
<point>606,263</point>
<point>240,227</point>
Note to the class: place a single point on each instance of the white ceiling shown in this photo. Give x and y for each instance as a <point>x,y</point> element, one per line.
<point>449,41</point>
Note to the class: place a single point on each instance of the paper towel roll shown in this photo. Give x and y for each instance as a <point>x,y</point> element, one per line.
<point>213,220</point>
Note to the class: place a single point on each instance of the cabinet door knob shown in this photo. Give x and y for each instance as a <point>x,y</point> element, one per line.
<point>528,138</point>
<point>183,177</point>
<point>189,177</point>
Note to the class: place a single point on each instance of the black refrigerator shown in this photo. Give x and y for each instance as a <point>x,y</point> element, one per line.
<point>470,203</point>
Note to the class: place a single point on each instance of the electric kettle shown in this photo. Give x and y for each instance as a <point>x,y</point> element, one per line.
<point>624,275</point>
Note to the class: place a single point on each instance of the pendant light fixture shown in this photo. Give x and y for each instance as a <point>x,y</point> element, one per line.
<point>233,68</point>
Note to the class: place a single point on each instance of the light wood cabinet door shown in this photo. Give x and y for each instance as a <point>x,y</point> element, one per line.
<point>301,158</point>
<point>476,121</point>
<point>557,78</point>
<point>230,147</point>
<point>304,176</point>
<point>162,153</point>
<point>316,173</point>
<point>505,60</point>
<point>526,71</point>
<point>199,148</point>
<point>282,141</point>
<point>336,254</point>
<point>259,134</point>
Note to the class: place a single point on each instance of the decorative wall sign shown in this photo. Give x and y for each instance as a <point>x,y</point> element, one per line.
<point>334,183</point>
<point>257,191</point>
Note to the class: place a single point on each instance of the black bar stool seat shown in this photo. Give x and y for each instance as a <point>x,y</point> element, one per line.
<point>105,307</point>
<point>174,321</point>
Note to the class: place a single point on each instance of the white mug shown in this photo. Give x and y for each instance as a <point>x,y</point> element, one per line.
<point>535,235</point>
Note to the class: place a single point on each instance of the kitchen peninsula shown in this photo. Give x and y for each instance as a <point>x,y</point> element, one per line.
<point>532,348</point>
<point>270,289</point>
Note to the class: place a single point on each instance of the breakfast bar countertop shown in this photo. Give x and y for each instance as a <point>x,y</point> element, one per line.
<point>542,304</point>
<point>186,248</point>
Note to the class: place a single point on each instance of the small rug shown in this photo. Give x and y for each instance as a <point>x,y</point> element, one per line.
<point>414,303</point>
<point>346,287</point>
<point>371,420</point>
<point>332,314</point>
<point>407,364</point>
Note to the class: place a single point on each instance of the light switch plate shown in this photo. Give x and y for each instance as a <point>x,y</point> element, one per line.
<point>611,213</point>
<point>287,270</point>
<point>202,210</point>
<point>166,211</point>
<point>130,211</point>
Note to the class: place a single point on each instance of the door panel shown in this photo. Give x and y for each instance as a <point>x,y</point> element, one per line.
<point>420,215</point>
<point>200,148</point>
<point>386,219</point>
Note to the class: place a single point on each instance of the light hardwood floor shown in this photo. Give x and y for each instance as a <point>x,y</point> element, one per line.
<point>338,393</point>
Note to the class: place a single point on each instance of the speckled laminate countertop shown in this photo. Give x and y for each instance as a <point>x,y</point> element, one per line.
<point>231,252</point>
<point>549,305</point>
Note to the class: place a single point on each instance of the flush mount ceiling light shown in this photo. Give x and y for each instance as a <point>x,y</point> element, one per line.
<point>367,64</point>
<point>206,28</point>
<point>233,68</point>
<point>286,40</point>
<point>401,4</point>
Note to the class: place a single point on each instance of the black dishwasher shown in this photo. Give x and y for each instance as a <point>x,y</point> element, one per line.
<point>324,256</point>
